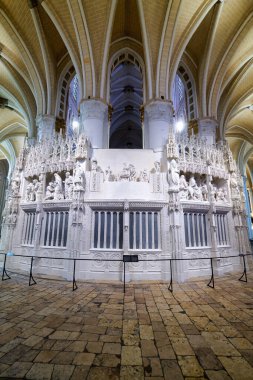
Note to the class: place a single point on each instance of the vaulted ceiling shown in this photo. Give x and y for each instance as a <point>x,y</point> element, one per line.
<point>41,39</point>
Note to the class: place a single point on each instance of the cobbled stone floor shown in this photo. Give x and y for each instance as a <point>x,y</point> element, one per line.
<point>49,332</point>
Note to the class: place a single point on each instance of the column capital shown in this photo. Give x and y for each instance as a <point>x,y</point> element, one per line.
<point>94,121</point>
<point>207,129</point>
<point>45,124</point>
<point>93,108</point>
<point>160,110</point>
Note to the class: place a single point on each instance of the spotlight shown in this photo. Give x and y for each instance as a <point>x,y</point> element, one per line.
<point>75,123</point>
<point>180,124</point>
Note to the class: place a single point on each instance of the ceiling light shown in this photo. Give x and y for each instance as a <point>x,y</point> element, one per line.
<point>251,107</point>
<point>180,125</point>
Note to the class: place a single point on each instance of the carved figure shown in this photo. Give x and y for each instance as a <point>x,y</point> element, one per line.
<point>58,194</point>
<point>132,173</point>
<point>204,191</point>
<point>173,174</point>
<point>194,191</point>
<point>15,184</point>
<point>69,186</point>
<point>157,166</point>
<point>235,192</point>
<point>183,187</point>
<point>107,174</point>
<point>144,176</point>
<point>79,184</point>
<point>94,165</point>
<point>50,191</point>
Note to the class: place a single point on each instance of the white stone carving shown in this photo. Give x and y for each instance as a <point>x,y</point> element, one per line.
<point>69,186</point>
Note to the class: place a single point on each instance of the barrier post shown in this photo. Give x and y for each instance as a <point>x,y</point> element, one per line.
<point>4,273</point>
<point>245,279</point>
<point>31,279</point>
<point>211,282</point>
<point>74,277</point>
<point>170,288</point>
<point>124,263</point>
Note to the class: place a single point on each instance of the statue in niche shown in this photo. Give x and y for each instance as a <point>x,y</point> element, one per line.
<point>194,191</point>
<point>213,192</point>
<point>221,194</point>
<point>79,178</point>
<point>28,192</point>
<point>50,191</point>
<point>39,189</point>
<point>34,188</point>
<point>173,174</point>
<point>58,193</point>
<point>183,187</point>
<point>69,186</point>
<point>144,176</point>
<point>204,191</point>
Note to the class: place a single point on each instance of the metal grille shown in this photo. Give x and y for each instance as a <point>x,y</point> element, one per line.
<point>195,229</point>
<point>55,229</point>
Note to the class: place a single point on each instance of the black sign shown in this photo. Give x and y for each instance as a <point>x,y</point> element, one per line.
<point>130,258</point>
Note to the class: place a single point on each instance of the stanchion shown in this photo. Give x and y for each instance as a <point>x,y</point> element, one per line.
<point>245,279</point>
<point>124,263</point>
<point>31,279</point>
<point>74,277</point>
<point>4,271</point>
<point>211,282</point>
<point>170,288</point>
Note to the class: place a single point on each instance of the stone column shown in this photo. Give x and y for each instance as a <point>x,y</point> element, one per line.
<point>247,207</point>
<point>94,122</point>
<point>207,130</point>
<point>46,126</point>
<point>158,122</point>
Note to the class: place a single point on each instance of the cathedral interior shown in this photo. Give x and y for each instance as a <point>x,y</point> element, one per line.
<point>126,184</point>
<point>126,128</point>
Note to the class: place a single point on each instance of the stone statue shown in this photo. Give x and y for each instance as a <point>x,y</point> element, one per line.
<point>204,191</point>
<point>94,165</point>
<point>132,173</point>
<point>195,192</point>
<point>173,174</point>
<point>28,192</point>
<point>69,186</point>
<point>58,193</point>
<point>157,166</point>
<point>50,191</point>
<point>107,174</point>
<point>15,184</point>
<point>144,176</point>
<point>79,184</point>
<point>235,192</point>
<point>183,187</point>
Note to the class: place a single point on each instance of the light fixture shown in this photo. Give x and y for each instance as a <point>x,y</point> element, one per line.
<point>251,107</point>
<point>180,125</point>
<point>75,124</point>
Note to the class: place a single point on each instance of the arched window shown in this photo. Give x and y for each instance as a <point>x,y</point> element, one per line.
<point>180,100</point>
<point>72,106</point>
<point>184,99</point>
<point>126,98</point>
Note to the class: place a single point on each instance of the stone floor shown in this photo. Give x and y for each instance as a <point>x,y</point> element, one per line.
<point>49,332</point>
